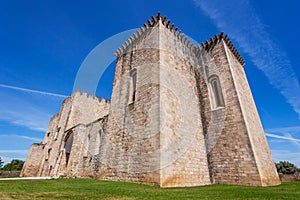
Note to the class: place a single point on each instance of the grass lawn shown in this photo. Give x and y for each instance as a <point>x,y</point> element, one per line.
<point>96,189</point>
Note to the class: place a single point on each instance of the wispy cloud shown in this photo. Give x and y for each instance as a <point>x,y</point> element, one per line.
<point>28,117</point>
<point>30,108</point>
<point>14,151</point>
<point>35,139</point>
<point>7,159</point>
<point>32,91</point>
<point>239,20</point>
<point>8,155</point>
<point>293,129</point>
<point>280,155</point>
<point>289,148</point>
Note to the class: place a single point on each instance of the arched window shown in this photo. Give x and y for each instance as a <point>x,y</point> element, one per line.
<point>68,146</point>
<point>132,86</point>
<point>216,92</point>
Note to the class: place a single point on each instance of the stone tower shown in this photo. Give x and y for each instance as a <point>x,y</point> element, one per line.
<point>180,115</point>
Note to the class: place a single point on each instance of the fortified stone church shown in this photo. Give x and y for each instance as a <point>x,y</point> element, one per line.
<point>180,115</point>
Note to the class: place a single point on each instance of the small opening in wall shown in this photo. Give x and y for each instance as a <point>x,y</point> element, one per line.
<point>50,169</point>
<point>48,134</point>
<point>56,133</point>
<point>132,86</point>
<point>48,154</point>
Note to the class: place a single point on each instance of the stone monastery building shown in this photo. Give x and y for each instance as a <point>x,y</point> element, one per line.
<point>180,115</point>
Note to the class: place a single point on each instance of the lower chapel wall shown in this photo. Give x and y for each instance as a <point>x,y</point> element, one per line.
<point>32,164</point>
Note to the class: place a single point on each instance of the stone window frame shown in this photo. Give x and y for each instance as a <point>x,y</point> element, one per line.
<point>132,86</point>
<point>56,133</point>
<point>69,136</point>
<point>216,94</point>
<point>48,154</point>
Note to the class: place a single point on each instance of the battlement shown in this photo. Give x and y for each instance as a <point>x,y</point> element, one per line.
<point>209,44</point>
<point>54,117</point>
<point>132,42</point>
<point>89,96</point>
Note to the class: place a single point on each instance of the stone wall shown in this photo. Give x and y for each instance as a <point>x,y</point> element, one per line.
<point>233,155</point>
<point>10,173</point>
<point>183,152</point>
<point>33,161</point>
<point>230,156</point>
<point>129,150</point>
<point>258,141</point>
<point>79,108</point>
<point>289,177</point>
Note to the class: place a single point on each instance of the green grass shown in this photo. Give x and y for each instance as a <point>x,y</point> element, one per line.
<point>96,189</point>
<point>9,176</point>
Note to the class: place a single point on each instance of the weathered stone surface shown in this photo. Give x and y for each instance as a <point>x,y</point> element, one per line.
<point>290,177</point>
<point>180,115</point>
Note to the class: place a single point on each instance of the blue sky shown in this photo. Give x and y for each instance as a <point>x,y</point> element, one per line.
<point>43,43</point>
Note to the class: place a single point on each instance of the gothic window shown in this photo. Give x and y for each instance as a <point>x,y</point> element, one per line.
<point>216,92</point>
<point>132,86</point>
<point>68,146</point>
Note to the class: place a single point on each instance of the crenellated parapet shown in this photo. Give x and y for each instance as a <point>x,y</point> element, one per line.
<point>89,96</point>
<point>134,40</point>
<point>209,44</point>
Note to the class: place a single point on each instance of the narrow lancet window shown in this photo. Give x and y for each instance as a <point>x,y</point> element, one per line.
<point>217,96</point>
<point>132,86</point>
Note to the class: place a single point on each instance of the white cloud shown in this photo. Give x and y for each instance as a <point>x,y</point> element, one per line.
<point>28,108</point>
<point>289,148</point>
<point>7,160</point>
<point>293,129</point>
<point>285,155</point>
<point>28,117</point>
<point>9,155</point>
<point>14,151</point>
<point>35,139</point>
<point>239,20</point>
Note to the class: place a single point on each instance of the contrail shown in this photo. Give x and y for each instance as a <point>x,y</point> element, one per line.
<point>282,137</point>
<point>33,91</point>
